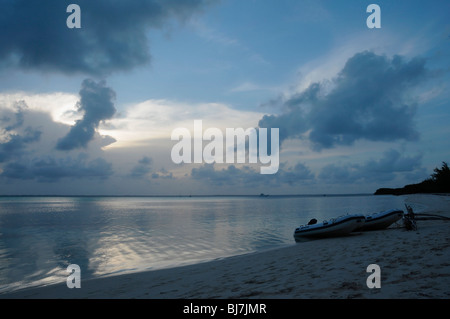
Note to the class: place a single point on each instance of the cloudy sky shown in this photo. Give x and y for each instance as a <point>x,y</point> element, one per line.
<point>91,110</point>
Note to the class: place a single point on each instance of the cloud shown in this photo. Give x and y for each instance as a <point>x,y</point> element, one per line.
<point>14,138</point>
<point>299,174</point>
<point>385,169</point>
<point>27,138</point>
<point>163,174</point>
<point>113,34</point>
<point>20,107</point>
<point>156,119</point>
<point>230,175</point>
<point>368,100</point>
<point>49,169</point>
<point>60,105</point>
<point>393,165</point>
<point>142,168</point>
<point>97,103</point>
<point>16,144</point>
<point>248,176</point>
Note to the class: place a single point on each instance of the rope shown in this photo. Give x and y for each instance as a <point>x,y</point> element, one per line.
<point>430,217</point>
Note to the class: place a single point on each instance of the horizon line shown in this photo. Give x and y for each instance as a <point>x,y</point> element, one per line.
<point>191,195</point>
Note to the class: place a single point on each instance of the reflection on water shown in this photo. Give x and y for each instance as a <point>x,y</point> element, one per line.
<point>41,236</point>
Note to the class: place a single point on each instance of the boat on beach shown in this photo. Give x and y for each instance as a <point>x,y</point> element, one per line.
<point>339,226</point>
<point>381,220</point>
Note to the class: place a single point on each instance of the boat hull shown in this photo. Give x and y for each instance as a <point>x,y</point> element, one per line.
<point>340,226</point>
<point>381,220</point>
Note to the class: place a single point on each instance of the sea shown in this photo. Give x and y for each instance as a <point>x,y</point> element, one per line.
<point>41,236</point>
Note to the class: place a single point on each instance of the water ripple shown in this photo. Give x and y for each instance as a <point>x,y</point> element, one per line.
<point>40,237</point>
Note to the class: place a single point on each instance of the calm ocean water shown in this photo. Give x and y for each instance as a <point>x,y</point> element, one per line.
<point>41,236</point>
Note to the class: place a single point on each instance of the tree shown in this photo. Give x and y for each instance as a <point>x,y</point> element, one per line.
<point>441,178</point>
<point>438,182</point>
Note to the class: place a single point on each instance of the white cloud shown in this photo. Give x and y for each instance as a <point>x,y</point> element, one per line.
<point>61,106</point>
<point>156,119</point>
<point>148,120</point>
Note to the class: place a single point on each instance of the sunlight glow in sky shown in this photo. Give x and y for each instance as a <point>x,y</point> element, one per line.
<point>91,110</point>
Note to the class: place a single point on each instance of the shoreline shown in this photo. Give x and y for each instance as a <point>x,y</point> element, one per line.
<point>414,264</point>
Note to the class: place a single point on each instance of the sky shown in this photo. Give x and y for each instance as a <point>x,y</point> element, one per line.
<point>91,110</point>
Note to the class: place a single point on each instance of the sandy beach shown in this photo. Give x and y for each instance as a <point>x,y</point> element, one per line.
<point>413,264</point>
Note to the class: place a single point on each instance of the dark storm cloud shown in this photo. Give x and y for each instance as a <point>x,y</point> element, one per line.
<point>383,170</point>
<point>17,144</point>
<point>367,100</point>
<point>49,169</point>
<point>97,103</point>
<point>16,137</point>
<point>34,34</point>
